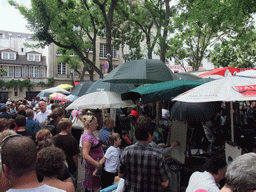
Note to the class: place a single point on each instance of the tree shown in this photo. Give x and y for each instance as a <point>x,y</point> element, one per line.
<point>201,24</point>
<point>54,22</point>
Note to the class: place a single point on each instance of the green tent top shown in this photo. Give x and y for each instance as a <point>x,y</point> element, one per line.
<point>161,91</point>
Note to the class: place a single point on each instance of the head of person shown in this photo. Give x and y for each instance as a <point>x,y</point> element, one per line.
<point>45,143</point>
<point>144,129</point>
<point>90,122</point>
<point>42,106</point>
<point>51,162</point>
<point>216,166</point>
<point>21,107</point>
<point>20,121</point>
<point>3,109</point>
<point>57,114</point>
<point>241,173</point>
<point>64,124</point>
<point>30,114</point>
<point>19,156</point>
<point>4,124</point>
<point>55,106</point>
<point>43,135</point>
<point>108,123</point>
<point>114,137</point>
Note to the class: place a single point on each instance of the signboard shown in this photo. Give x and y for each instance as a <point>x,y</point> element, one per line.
<point>106,67</point>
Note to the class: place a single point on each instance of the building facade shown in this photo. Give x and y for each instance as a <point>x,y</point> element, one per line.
<point>20,62</point>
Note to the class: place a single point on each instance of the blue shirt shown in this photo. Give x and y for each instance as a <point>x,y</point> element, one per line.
<point>32,126</point>
<point>103,135</point>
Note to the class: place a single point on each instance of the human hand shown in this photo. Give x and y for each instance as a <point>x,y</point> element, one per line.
<point>95,172</point>
<point>175,144</point>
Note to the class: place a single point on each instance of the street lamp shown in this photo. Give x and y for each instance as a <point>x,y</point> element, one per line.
<point>72,70</point>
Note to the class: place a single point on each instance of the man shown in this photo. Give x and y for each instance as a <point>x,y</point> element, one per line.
<point>241,174</point>
<point>32,126</point>
<point>215,169</point>
<point>19,156</point>
<point>41,116</point>
<point>20,122</point>
<point>165,112</point>
<point>142,166</point>
<point>108,126</point>
<point>4,113</point>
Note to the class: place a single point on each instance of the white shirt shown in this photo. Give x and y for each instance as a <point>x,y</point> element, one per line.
<point>165,113</point>
<point>41,117</point>
<point>112,159</point>
<point>44,188</point>
<point>49,107</point>
<point>202,180</point>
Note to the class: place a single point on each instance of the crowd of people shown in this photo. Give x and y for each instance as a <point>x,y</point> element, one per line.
<point>39,145</point>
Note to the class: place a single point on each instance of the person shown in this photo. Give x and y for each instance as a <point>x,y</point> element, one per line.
<point>49,107</point>
<point>215,168</point>
<point>51,164</point>
<point>134,115</point>
<point>65,141</point>
<point>20,122</point>
<point>111,160</point>
<point>241,174</point>
<point>43,135</point>
<point>17,151</point>
<point>53,119</point>
<point>143,167</point>
<point>4,113</point>
<point>8,102</point>
<point>108,126</point>
<point>32,126</point>
<point>92,153</point>
<point>4,124</point>
<point>4,182</point>
<point>42,115</point>
<point>165,112</point>
<point>12,108</point>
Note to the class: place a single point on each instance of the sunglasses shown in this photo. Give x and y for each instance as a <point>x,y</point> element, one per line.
<point>5,139</point>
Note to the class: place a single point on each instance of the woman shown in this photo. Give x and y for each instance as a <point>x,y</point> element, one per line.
<point>92,153</point>
<point>51,164</point>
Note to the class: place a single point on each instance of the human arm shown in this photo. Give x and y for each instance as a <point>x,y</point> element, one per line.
<point>165,184</point>
<point>75,158</point>
<point>86,149</point>
<point>102,161</point>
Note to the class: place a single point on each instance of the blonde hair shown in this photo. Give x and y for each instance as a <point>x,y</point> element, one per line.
<point>88,119</point>
<point>43,135</point>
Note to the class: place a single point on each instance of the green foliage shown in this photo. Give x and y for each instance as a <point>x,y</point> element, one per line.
<point>2,71</point>
<point>17,83</point>
<point>50,83</point>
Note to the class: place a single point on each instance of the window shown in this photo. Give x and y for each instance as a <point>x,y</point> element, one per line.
<point>10,56</point>
<point>31,71</point>
<point>36,71</point>
<point>11,71</point>
<point>103,51</point>
<point>17,71</point>
<point>6,68</point>
<point>25,72</point>
<point>34,57</point>
<point>62,69</point>
<point>16,91</point>
<point>42,71</point>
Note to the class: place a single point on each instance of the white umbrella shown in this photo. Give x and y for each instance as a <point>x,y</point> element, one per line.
<point>232,88</point>
<point>247,73</point>
<point>213,76</point>
<point>56,90</point>
<point>100,100</point>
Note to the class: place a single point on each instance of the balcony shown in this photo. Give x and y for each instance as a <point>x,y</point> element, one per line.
<point>33,80</point>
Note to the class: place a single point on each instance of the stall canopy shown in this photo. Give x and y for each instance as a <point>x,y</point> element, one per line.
<point>143,71</point>
<point>81,88</point>
<point>160,91</point>
<point>113,87</point>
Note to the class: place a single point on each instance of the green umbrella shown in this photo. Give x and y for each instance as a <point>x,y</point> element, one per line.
<point>141,72</point>
<point>160,91</point>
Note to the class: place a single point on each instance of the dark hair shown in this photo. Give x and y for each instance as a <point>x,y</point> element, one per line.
<point>19,154</point>
<point>22,112</point>
<point>64,123</point>
<point>45,143</point>
<point>144,127</point>
<point>30,113</point>
<point>214,164</point>
<point>51,162</point>
<point>56,113</point>
<point>20,120</point>
<point>3,108</point>
<point>54,106</point>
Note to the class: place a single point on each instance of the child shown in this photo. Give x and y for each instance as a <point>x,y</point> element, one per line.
<point>111,160</point>
<point>65,141</point>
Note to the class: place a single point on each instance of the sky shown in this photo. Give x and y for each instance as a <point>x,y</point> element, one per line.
<point>11,19</point>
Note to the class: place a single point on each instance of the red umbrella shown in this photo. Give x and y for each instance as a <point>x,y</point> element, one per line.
<point>59,97</point>
<point>226,71</point>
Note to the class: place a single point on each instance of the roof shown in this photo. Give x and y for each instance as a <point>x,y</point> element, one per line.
<point>34,52</point>
<point>22,60</point>
<point>13,34</point>
<point>9,50</point>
